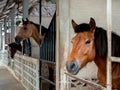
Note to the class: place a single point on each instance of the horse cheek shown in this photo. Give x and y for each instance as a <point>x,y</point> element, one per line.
<point>91,54</point>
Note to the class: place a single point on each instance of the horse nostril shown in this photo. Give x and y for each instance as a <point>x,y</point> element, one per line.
<point>73,67</point>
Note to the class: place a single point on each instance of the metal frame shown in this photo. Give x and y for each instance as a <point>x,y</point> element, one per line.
<point>48,50</point>
<point>109,24</point>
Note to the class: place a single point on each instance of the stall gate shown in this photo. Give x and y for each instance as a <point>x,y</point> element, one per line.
<point>26,70</point>
<point>47,58</point>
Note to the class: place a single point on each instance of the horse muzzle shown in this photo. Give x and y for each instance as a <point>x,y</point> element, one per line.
<point>73,67</point>
<point>18,39</point>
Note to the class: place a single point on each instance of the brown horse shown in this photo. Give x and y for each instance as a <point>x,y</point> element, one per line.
<point>90,43</point>
<point>30,29</point>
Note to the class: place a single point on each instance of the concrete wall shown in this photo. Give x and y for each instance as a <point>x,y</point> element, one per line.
<point>116,16</point>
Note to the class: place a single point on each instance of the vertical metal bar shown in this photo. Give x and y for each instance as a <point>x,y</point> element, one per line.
<point>55,39</point>
<point>13,30</point>
<point>25,8</point>
<point>57,43</point>
<point>26,43</point>
<point>0,35</point>
<point>40,66</point>
<point>109,24</point>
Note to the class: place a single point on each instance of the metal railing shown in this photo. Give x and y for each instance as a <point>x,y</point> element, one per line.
<point>26,69</point>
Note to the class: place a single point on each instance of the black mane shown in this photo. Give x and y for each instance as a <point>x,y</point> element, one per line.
<point>36,25</point>
<point>101,43</point>
<point>82,27</point>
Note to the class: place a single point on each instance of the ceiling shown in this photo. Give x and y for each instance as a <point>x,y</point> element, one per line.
<point>7,5</point>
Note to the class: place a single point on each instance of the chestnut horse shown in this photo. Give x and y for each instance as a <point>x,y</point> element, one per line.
<point>90,43</point>
<point>30,29</point>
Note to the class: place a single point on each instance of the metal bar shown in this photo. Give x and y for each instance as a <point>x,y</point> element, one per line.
<point>47,80</point>
<point>57,49</point>
<point>1,35</point>
<point>96,86</point>
<point>115,59</point>
<point>109,24</point>
<point>13,28</point>
<point>25,8</point>
<point>47,61</point>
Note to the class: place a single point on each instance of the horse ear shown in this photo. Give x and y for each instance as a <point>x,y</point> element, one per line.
<point>92,24</point>
<point>74,24</point>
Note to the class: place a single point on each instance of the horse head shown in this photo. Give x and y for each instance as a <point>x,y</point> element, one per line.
<point>30,29</point>
<point>83,49</point>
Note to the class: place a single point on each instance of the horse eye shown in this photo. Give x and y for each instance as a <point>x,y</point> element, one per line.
<point>88,42</point>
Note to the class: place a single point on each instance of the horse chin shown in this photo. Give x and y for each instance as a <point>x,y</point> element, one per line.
<point>76,72</point>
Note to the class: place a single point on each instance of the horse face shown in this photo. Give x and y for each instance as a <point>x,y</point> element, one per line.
<point>24,33</point>
<point>83,49</point>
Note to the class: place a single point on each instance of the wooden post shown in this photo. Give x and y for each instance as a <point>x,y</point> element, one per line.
<point>64,29</point>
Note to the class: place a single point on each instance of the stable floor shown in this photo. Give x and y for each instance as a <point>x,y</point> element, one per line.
<point>7,81</point>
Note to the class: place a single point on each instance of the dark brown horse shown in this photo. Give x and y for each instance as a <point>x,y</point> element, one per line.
<point>30,29</point>
<point>13,48</point>
<point>90,43</point>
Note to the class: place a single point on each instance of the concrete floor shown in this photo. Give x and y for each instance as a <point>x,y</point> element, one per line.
<point>7,81</point>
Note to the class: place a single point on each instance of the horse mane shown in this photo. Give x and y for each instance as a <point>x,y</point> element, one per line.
<point>101,43</point>
<point>115,45</point>
<point>36,25</point>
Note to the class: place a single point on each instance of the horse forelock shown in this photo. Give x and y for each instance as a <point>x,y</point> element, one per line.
<point>82,27</point>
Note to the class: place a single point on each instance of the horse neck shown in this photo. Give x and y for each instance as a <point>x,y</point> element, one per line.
<point>36,37</point>
<point>101,64</point>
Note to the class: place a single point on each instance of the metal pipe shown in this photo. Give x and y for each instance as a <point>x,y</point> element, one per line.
<point>109,24</point>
